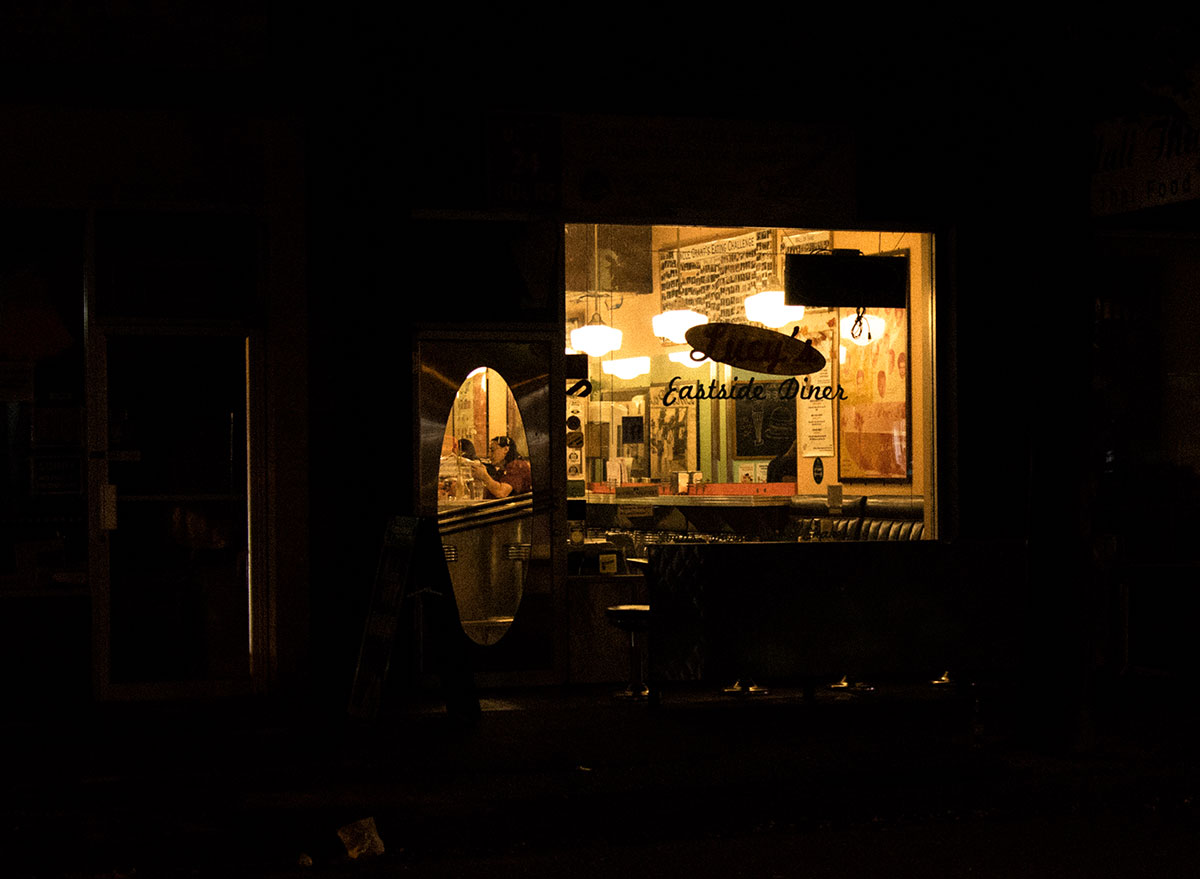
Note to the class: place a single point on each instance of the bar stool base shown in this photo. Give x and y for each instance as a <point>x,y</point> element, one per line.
<point>633,619</point>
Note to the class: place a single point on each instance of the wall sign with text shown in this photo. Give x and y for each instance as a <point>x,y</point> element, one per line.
<point>754,348</point>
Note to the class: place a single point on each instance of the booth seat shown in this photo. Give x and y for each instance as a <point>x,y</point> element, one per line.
<point>882,609</point>
<point>778,612</point>
<point>892,518</point>
<point>882,517</point>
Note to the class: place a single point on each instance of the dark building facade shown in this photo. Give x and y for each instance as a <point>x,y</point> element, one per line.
<point>310,229</point>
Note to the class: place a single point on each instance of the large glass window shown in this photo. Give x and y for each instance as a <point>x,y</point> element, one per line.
<point>754,382</point>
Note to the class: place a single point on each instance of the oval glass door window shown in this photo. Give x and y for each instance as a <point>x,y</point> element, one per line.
<point>485,505</point>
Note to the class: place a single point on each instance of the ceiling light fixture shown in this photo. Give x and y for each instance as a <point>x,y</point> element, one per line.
<point>597,338</point>
<point>626,367</point>
<point>768,309</point>
<point>674,323</point>
<point>685,357</point>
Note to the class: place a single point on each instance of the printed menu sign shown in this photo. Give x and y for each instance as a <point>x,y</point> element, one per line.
<point>815,418</point>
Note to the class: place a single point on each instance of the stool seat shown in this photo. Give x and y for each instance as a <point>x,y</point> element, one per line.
<point>629,617</point>
<point>635,620</point>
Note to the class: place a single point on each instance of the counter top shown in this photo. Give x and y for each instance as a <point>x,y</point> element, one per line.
<point>696,500</point>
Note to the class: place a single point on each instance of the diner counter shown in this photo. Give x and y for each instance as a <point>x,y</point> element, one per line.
<point>757,512</point>
<point>692,500</point>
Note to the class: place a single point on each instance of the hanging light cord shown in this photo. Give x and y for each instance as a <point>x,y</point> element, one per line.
<point>860,320</point>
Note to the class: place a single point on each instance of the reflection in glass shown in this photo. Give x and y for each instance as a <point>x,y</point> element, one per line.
<point>485,504</point>
<point>179,559</point>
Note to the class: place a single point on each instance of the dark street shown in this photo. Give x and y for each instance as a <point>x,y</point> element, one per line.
<point>904,779</point>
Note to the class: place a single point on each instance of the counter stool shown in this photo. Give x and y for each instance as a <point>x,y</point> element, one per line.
<point>634,619</point>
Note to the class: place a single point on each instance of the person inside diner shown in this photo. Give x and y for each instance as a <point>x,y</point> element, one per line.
<point>507,474</point>
<point>783,466</point>
<point>466,449</point>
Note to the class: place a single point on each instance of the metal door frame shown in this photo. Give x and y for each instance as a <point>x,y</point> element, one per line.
<point>428,429</point>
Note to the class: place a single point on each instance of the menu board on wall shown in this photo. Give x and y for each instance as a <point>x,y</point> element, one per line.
<point>815,417</point>
<point>766,426</point>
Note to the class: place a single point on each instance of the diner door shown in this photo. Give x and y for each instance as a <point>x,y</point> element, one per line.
<point>169,444</point>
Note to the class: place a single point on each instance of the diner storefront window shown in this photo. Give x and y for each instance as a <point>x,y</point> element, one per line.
<point>717,406</point>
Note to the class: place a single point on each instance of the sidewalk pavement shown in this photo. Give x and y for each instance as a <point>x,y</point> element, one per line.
<point>908,780</point>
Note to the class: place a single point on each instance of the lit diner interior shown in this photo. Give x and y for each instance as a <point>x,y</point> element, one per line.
<point>732,392</point>
<point>671,444</point>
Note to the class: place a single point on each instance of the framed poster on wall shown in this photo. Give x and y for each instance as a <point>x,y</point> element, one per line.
<point>873,419</point>
<point>673,434</point>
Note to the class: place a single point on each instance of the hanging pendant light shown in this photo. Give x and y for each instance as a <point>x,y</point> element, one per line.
<point>767,306</point>
<point>597,338</point>
<point>626,367</point>
<point>685,358</point>
<point>674,323</point>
